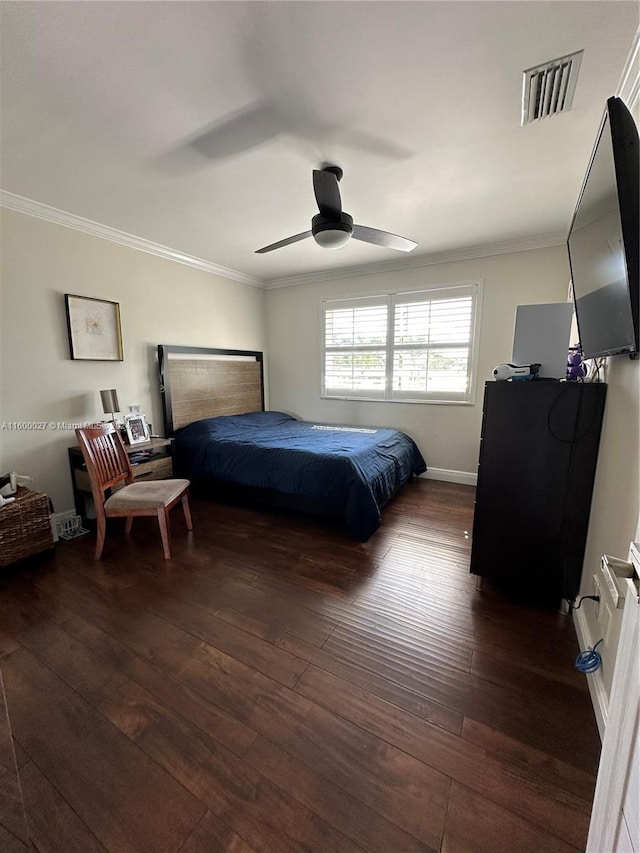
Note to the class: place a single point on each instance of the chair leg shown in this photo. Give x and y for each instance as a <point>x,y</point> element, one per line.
<point>100,534</point>
<point>128,524</point>
<point>163,521</point>
<point>187,511</point>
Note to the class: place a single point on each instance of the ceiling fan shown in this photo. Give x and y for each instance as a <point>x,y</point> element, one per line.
<point>332,228</point>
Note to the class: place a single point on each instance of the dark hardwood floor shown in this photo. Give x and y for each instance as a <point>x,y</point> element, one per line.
<point>279,687</point>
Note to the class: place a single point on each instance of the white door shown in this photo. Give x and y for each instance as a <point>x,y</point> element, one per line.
<point>614,819</point>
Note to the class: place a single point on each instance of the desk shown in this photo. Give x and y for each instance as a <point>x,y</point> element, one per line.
<point>156,465</point>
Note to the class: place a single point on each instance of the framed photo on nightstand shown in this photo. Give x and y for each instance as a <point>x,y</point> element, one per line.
<point>137,429</point>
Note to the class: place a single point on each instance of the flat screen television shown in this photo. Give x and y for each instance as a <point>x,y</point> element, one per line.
<point>603,241</point>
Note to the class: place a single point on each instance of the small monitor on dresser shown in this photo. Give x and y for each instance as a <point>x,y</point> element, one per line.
<point>541,335</point>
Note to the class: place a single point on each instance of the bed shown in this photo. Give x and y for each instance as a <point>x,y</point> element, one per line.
<point>213,403</point>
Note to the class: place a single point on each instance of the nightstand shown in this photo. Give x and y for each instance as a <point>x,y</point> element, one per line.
<point>155,465</point>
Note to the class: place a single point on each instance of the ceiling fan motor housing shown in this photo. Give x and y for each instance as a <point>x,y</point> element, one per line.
<point>334,170</point>
<point>331,233</point>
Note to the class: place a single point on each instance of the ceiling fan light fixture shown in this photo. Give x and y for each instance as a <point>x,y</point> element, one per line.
<point>332,233</point>
<point>332,238</point>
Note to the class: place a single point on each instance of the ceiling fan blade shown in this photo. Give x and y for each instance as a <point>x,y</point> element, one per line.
<point>282,243</point>
<point>238,132</point>
<point>382,238</point>
<point>325,186</point>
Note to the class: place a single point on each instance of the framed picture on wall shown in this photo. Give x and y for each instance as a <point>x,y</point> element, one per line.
<point>94,328</point>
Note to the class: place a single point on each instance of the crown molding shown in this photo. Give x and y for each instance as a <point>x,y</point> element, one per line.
<point>629,85</point>
<point>466,254</point>
<point>69,220</point>
<point>95,229</point>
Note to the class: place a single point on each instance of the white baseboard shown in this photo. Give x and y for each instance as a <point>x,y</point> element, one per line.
<point>464,477</point>
<point>595,681</point>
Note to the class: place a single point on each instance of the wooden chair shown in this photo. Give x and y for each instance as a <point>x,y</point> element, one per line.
<point>108,466</point>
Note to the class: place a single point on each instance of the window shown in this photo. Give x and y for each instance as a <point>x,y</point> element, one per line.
<point>401,346</point>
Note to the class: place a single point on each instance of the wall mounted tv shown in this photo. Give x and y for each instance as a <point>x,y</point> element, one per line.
<point>603,241</point>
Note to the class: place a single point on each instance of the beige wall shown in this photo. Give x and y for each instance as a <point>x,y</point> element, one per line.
<point>616,497</point>
<point>615,508</point>
<point>161,302</point>
<point>448,435</point>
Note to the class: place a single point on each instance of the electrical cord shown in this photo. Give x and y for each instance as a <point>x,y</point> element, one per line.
<point>599,365</point>
<point>582,598</point>
<point>575,436</point>
<point>589,660</point>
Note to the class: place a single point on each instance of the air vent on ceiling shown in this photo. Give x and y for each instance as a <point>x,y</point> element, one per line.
<point>548,89</point>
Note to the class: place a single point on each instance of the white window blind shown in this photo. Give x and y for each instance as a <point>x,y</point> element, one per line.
<point>403,346</point>
<point>355,342</point>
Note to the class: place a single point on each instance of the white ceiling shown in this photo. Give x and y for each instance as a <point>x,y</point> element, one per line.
<point>419,102</point>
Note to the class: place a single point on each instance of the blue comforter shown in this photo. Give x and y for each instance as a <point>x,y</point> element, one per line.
<point>355,469</point>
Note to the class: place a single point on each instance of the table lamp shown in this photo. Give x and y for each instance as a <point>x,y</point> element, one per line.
<point>110,402</point>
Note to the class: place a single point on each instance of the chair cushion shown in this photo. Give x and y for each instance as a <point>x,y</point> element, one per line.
<point>153,494</point>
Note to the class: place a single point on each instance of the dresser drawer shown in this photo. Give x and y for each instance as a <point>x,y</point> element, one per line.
<point>155,469</point>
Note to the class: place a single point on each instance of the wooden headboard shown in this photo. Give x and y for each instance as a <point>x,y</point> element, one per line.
<point>197,383</point>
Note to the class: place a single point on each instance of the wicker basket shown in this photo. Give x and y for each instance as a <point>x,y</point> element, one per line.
<point>24,527</point>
